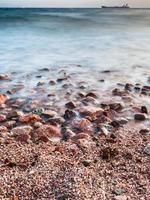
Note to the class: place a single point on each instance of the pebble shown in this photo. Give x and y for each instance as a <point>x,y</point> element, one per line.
<point>3,129</point>
<point>23,138</point>
<point>49,131</point>
<point>80,136</point>
<point>3,98</point>
<point>147,149</point>
<point>91,111</point>
<point>120,197</point>
<point>4,77</point>
<point>49,113</point>
<point>2,118</point>
<point>37,124</point>
<point>19,130</point>
<point>140,116</point>
<point>70,105</point>
<point>10,124</point>
<point>29,118</point>
<point>144,109</point>
<point>87,163</point>
<point>144,131</point>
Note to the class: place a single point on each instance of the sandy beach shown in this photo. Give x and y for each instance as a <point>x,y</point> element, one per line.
<point>76,142</point>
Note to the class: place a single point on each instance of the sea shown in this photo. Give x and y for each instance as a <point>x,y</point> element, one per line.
<point>82,41</point>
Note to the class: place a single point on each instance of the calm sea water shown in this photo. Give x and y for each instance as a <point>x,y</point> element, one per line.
<point>97,39</point>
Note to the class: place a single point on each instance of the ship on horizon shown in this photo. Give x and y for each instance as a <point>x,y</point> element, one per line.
<point>125,6</point>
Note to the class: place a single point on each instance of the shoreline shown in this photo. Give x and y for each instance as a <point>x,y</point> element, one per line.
<point>73,140</point>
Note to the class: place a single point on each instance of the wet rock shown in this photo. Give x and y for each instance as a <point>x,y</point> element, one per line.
<point>144,131</point>
<point>44,69</point>
<point>4,77</point>
<point>2,118</point>
<point>115,124</point>
<point>91,111</point>
<point>37,124</point>
<point>91,94</point>
<point>144,109</point>
<point>29,118</point>
<point>70,105</point>
<point>14,114</point>
<point>51,132</point>
<point>140,117</point>
<point>116,106</point>
<point>69,114</point>
<point>40,83</point>
<point>3,98</point>
<point>85,125</point>
<point>62,79</point>
<point>56,120</point>
<point>49,113</point>
<point>51,82</point>
<point>21,130</point>
<point>147,149</point>
<point>128,86</point>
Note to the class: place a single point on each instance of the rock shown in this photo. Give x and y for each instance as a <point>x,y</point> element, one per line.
<point>91,111</point>
<point>147,149</point>
<point>14,114</point>
<point>23,138</point>
<point>4,77</point>
<point>37,124</point>
<point>68,134</point>
<point>91,94</point>
<point>144,109</point>
<point>3,98</point>
<point>3,129</point>
<point>85,125</point>
<point>40,83</point>
<point>87,163</point>
<point>10,124</point>
<point>5,134</point>
<point>44,69</point>
<point>44,138</point>
<point>49,113</point>
<point>2,118</point>
<point>104,131</point>
<point>80,136</point>
<point>115,123</point>
<point>144,131</point>
<point>140,117</point>
<point>51,132</point>
<point>116,106</point>
<point>70,105</point>
<point>21,130</point>
<point>51,82</point>
<point>56,120</point>
<point>128,86</point>
<point>118,92</point>
<point>69,114</point>
<point>29,118</point>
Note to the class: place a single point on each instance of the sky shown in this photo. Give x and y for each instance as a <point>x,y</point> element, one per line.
<point>72,3</point>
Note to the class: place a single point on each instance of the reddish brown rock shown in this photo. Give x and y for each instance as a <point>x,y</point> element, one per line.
<point>49,131</point>
<point>91,94</point>
<point>70,105</point>
<point>3,129</point>
<point>23,138</point>
<point>2,118</point>
<point>3,98</point>
<point>49,113</point>
<point>29,118</point>
<point>21,130</point>
<point>91,111</point>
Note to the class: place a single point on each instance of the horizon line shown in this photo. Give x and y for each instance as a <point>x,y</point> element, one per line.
<point>26,7</point>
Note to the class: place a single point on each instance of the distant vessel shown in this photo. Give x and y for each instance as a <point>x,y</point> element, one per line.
<point>123,6</point>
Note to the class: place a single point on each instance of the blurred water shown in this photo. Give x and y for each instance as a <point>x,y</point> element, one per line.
<point>97,39</point>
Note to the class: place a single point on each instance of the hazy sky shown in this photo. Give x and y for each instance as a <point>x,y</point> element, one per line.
<point>71,3</point>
